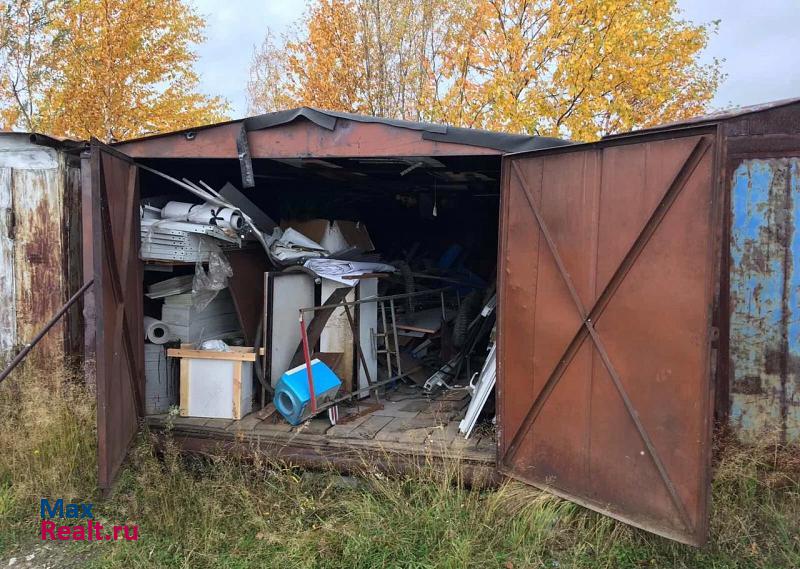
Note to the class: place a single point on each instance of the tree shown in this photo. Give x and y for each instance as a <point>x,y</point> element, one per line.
<point>114,69</point>
<point>363,56</point>
<point>23,25</point>
<point>576,68</point>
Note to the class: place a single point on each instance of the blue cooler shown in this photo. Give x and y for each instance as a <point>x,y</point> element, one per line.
<point>292,398</point>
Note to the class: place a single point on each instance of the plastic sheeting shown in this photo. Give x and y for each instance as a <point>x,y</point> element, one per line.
<point>207,284</point>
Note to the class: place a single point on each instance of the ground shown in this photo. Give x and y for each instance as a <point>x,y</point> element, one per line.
<point>213,511</point>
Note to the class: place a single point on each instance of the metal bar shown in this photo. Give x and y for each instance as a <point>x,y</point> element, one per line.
<point>307,357</point>
<point>357,343</point>
<point>377,299</point>
<point>28,347</point>
<point>651,449</point>
<point>385,335</point>
<point>394,333</point>
<point>551,244</point>
<point>672,193</point>
<point>353,393</point>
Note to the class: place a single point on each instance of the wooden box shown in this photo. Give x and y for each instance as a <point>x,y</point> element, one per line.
<point>217,385</point>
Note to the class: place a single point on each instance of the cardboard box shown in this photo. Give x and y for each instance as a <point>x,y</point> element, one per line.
<point>336,235</point>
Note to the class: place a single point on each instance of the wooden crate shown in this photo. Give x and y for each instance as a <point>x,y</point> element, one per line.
<point>213,384</point>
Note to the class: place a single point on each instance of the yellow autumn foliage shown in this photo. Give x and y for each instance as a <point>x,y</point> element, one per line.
<point>112,69</point>
<point>576,68</point>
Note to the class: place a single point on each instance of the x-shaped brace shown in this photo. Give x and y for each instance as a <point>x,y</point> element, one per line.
<point>589,317</point>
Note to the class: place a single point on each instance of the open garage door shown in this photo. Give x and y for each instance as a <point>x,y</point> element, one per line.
<point>609,267</point>
<point>118,300</point>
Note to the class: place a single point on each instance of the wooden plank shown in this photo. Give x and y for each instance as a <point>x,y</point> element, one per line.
<point>266,412</point>
<point>332,447</point>
<point>184,388</point>
<point>209,355</point>
<point>237,390</point>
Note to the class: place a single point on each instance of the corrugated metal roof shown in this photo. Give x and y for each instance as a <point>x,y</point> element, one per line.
<point>714,117</point>
<point>328,120</point>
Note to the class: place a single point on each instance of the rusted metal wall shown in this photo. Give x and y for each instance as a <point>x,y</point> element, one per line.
<point>765,299</point>
<point>37,245</point>
<point>38,268</point>
<point>8,313</point>
<point>760,340</point>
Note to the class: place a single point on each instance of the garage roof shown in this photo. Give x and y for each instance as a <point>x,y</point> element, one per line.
<point>332,121</point>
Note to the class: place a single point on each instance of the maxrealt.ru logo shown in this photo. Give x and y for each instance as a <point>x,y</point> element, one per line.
<point>87,530</point>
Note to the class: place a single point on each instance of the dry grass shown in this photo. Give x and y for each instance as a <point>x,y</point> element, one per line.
<point>217,511</point>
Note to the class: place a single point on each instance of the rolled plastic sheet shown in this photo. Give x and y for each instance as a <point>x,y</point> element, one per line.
<point>176,210</point>
<point>155,331</point>
<point>229,219</point>
<point>208,214</point>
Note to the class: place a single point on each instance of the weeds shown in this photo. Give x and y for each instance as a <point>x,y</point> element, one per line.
<point>252,512</point>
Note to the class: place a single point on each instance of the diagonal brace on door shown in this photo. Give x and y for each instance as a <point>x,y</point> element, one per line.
<point>122,330</point>
<point>589,317</point>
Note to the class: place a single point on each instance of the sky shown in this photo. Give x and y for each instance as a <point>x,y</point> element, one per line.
<point>758,41</point>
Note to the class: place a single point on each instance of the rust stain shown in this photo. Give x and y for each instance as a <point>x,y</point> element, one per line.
<point>8,316</point>
<point>765,334</point>
<point>40,285</point>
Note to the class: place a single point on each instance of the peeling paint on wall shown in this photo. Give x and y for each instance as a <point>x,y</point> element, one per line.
<point>38,263</point>
<point>765,299</point>
<point>8,312</point>
<point>39,235</point>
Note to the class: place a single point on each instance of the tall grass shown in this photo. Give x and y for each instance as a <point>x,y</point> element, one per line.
<point>47,444</point>
<point>214,511</point>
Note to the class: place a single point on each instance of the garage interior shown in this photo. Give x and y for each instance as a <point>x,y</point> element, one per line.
<point>436,218</point>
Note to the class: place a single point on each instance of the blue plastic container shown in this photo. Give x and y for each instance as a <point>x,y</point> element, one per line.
<point>292,396</point>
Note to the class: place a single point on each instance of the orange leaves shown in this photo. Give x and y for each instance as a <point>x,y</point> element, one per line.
<point>118,68</point>
<point>574,68</point>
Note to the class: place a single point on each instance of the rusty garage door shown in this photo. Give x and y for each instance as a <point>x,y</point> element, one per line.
<point>607,280</point>
<point>118,301</point>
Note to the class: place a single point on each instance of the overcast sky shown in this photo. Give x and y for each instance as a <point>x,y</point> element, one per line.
<point>759,42</point>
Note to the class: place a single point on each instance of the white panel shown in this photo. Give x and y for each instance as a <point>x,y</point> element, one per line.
<point>210,388</point>
<point>246,403</point>
<point>367,326</point>
<point>17,151</point>
<point>290,293</point>
<point>8,315</point>
<point>337,336</point>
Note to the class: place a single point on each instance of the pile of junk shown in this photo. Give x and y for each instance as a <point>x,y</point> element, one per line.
<point>338,325</point>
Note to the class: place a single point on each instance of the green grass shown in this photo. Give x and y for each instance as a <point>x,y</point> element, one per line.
<point>214,511</point>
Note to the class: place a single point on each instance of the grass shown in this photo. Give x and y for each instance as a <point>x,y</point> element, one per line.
<point>217,511</point>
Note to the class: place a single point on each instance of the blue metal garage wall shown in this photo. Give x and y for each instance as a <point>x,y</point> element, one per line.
<point>765,299</point>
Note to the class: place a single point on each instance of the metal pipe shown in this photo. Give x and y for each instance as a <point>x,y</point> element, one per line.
<point>357,391</point>
<point>307,358</point>
<point>386,338</point>
<point>374,299</point>
<point>28,347</point>
<point>204,195</point>
<point>394,333</point>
